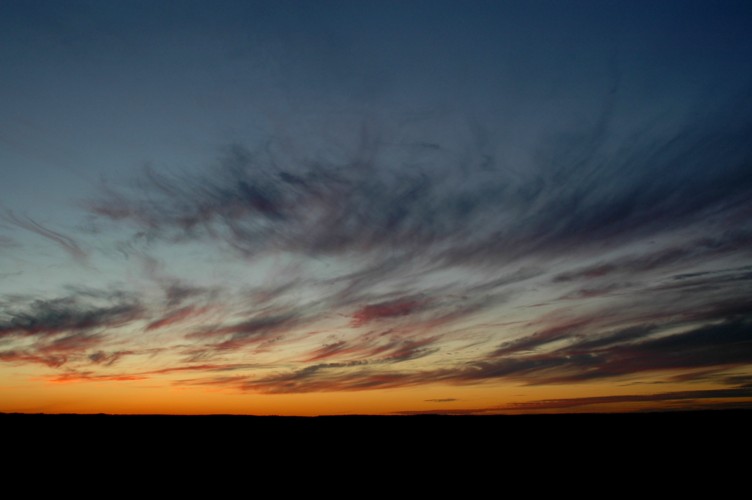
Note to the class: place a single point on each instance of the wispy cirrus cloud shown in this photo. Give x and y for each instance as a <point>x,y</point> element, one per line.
<point>393,309</point>
<point>88,375</point>
<point>248,332</point>
<point>740,397</point>
<point>55,352</point>
<point>586,355</point>
<point>358,272</point>
<point>177,316</point>
<point>56,331</point>
<point>462,214</point>
<point>67,314</point>
<point>68,244</point>
<point>664,397</point>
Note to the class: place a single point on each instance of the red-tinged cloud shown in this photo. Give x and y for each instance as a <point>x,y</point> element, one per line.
<point>72,378</point>
<point>385,310</point>
<point>52,361</point>
<point>627,352</point>
<point>206,367</point>
<point>335,349</point>
<point>177,316</point>
<point>53,352</point>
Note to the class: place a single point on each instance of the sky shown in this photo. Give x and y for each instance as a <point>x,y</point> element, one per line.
<point>375,207</point>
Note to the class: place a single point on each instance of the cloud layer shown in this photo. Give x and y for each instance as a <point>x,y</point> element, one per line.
<point>603,262</point>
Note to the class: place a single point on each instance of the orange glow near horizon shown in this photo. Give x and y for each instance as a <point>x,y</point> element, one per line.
<point>35,394</point>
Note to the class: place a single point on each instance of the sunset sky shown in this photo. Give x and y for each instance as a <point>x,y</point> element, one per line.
<point>375,207</point>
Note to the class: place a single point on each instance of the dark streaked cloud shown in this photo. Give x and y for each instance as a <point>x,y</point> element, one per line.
<point>176,293</point>
<point>691,252</point>
<point>460,213</point>
<point>716,345</point>
<point>384,347</point>
<point>551,334</point>
<point>252,331</point>
<point>67,314</point>
<point>324,377</point>
<point>571,403</point>
<point>108,358</point>
<point>54,332</point>
<point>623,353</point>
<point>663,401</point>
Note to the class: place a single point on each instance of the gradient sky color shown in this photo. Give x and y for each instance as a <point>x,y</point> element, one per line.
<point>342,207</point>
